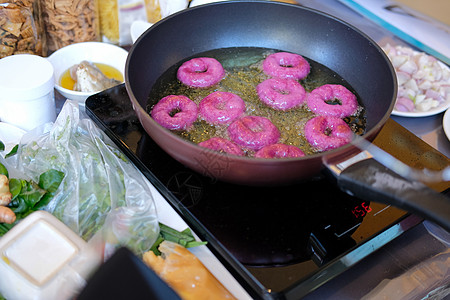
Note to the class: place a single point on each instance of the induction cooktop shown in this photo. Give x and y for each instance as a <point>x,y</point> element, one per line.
<point>279,242</point>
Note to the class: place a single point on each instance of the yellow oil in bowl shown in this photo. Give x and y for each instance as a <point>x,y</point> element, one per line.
<point>67,82</point>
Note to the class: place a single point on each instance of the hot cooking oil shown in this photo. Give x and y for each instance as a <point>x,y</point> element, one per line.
<point>243,67</point>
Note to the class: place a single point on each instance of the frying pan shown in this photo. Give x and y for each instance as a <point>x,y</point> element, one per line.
<point>313,34</point>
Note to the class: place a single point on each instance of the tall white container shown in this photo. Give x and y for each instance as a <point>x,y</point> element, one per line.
<point>27,97</point>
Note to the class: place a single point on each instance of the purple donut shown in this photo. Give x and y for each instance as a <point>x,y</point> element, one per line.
<point>326,133</point>
<point>280,93</point>
<point>253,132</point>
<point>201,72</point>
<point>279,151</point>
<point>286,65</point>
<point>175,112</point>
<point>222,145</point>
<point>346,106</point>
<point>221,108</point>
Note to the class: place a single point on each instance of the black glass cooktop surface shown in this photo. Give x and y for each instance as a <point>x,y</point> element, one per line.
<point>277,241</point>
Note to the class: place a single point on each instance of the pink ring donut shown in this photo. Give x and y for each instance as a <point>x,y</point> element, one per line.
<point>221,108</point>
<point>175,112</point>
<point>253,132</point>
<point>201,72</point>
<point>286,65</point>
<point>222,145</point>
<point>317,101</point>
<point>279,151</point>
<point>326,133</point>
<point>280,93</point>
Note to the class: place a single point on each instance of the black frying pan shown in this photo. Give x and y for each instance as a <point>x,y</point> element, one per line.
<point>286,27</point>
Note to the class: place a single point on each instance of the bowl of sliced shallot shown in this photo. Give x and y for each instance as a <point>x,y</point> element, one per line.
<point>423,82</point>
<point>84,69</point>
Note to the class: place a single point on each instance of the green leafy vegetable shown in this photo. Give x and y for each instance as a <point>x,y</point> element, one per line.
<point>13,151</point>
<point>2,146</point>
<point>29,196</point>
<point>3,170</point>
<point>184,238</point>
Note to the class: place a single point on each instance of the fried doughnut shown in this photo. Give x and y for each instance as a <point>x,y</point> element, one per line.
<point>286,65</point>
<point>221,108</point>
<point>201,72</point>
<point>253,132</point>
<point>175,112</point>
<point>279,151</point>
<point>281,94</point>
<point>327,133</point>
<point>318,100</point>
<point>222,145</point>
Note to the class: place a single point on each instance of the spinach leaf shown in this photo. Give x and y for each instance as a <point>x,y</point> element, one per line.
<point>3,170</point>
<point>13,151</point>
<point>29,196</point>
<point>51,180</point>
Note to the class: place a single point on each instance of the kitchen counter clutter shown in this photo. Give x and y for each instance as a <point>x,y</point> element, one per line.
<point>131,184</point>
<point>102,197</point>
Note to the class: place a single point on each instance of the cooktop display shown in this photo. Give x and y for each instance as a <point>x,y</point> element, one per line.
<point>277,241</point>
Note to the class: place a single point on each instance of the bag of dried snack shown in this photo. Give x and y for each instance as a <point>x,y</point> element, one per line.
<point>70,21</point>
<point>21,29</point>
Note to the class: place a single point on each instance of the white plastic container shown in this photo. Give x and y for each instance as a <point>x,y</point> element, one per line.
<point>27,97</point>
<point>41,258</point>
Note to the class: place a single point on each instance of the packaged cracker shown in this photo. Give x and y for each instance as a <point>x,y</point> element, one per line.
<point>21,29</point>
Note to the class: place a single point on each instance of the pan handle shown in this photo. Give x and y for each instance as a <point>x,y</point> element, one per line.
<point>369,180</point>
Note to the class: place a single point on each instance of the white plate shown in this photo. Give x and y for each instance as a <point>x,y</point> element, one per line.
<point>431,112</point>
<point>436,110</point>
<point>446,123</point>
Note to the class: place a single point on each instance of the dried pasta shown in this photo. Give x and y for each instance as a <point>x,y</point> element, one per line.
<point>109,19</point>
<point>153,10</point>
<point>70,21</point>
<point>116,17</point>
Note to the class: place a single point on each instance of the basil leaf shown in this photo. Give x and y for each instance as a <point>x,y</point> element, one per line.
<point>15,187</point>
<point>32,194</point>
<point>51,180</point>
<point>3,170</point>
<point>13,151</point>
<point>19,206</point>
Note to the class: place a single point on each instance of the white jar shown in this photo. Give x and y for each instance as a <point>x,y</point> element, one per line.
<point>27,97</point>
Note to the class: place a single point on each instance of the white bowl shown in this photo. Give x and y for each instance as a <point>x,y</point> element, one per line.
<point>95,52</point>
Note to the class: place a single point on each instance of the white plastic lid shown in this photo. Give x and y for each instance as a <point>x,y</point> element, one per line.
<point>25,77</point>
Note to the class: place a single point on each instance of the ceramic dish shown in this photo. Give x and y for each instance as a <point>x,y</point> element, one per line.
<point>94,52</point>
<point>421,76</point>
<point>416,114</point>
<point>446,123</point>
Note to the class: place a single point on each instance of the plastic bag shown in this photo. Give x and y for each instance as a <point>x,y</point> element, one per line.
<point>430,279</point>
<point>116,16</point>
<point>21,28</point>
<point>102,193</point>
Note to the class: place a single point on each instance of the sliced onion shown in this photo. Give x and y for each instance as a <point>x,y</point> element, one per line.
<point>420,77</point>
<point>404,104</point>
